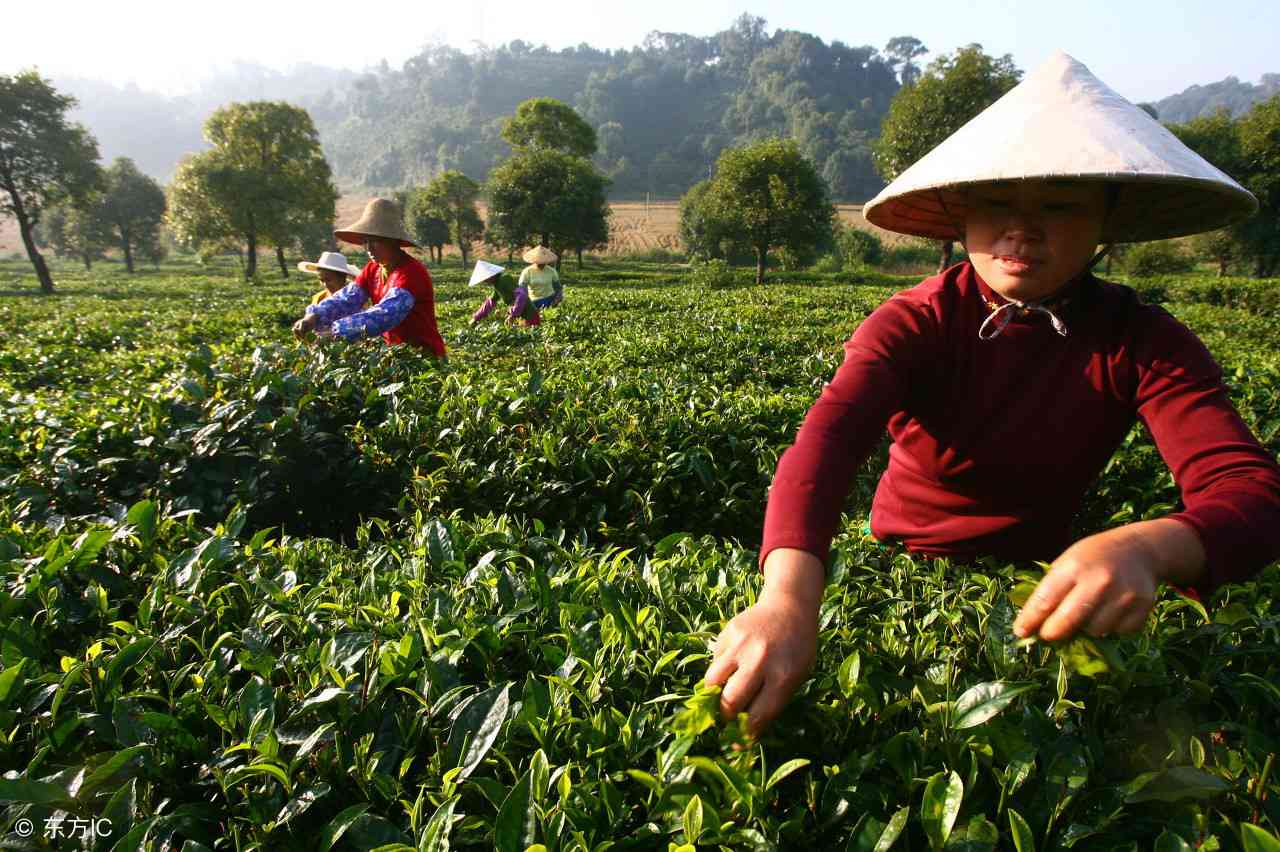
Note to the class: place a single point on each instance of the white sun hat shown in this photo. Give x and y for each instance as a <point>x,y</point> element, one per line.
<point>1063,123</point>
<point>484,271</point>
<point>330,260</point>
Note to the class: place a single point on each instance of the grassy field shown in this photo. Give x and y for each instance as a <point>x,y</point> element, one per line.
<point>261,595</point>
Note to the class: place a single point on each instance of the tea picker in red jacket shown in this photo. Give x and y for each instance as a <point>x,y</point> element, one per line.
<point>397,283</point>
<point>1007,382</point>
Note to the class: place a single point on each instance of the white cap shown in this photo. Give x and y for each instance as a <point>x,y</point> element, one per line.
<point>331,260</point>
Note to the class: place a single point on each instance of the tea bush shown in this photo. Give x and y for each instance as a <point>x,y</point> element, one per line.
<point>255,594</point>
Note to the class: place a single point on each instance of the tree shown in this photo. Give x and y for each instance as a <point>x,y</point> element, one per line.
<point>265,180</point>
<point>133,205</point>
<point>431,231</point>
<point>1244,148</point>
<point>704,229</point>
<point>953,89</point>
<point>772,196</point>
<point>78,230</point>
<point>902,52</point>
<point>44,159</point>
<point>548,198</point>
<point>451,197</point>
<point>546,124</point>
<point>1260,145</point>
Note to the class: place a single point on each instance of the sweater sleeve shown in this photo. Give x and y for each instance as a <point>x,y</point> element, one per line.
<point>520,304</point>
<point>843,427</point>
<point>341,304</point>
<point>382,317</point>
<point>1230,484</point>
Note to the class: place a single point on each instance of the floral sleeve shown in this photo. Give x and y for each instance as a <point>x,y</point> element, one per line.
<point>384,316</point>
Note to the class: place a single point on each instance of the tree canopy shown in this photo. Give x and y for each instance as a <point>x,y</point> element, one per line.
<point>547,124</point>
<point>769,196</point>
<point>1248,149</point>
<point>133,205</point>
<point>547,198</point>
<point>451,198</point>
<point>953,89</point>
<point>264,181</point>
<point>44,158</point>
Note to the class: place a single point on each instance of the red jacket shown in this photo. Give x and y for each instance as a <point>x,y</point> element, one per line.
<point>996,442</point>
<point>419,327</point>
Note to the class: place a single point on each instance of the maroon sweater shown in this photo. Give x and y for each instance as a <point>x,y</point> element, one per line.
<point>996,442</point>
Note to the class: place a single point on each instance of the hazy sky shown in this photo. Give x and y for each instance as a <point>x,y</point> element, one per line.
<point>1143,48</point>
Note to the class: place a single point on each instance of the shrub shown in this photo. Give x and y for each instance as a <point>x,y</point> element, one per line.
<point>714,273</point>
<point>857,247</point>
<point>1158,258</point>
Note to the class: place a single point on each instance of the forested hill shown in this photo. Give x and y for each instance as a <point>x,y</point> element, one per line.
<point>1198,101</point>
<point>664,110</point>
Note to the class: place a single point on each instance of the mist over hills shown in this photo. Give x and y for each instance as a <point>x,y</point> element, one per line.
<point>664,110</point>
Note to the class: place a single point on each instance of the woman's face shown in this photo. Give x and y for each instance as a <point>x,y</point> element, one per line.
<point>381,250</point>
<point>1029,239</point>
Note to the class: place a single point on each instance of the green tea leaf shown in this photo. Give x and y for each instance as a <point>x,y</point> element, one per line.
<point>692,820</point>
<point>893,830</point>
<point>1255,838</point>
<point>784,770</point>
<point>942,796</point>
<point>984,701</point>
<point>1170,842</point>
<point>1183,782</point>
<point>435,837</point>
<point>476,728</point>
<point>516,826</point>
<point>338,826</point>
<point>1023,839</point>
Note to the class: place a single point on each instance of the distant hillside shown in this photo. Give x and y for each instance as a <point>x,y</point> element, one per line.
<point>1200,101</point>
<point>664,110</point>
<point>158,131</point>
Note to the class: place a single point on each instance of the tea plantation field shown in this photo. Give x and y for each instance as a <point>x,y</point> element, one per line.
<point>262,595</point>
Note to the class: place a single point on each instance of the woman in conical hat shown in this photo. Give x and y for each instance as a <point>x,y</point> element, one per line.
<point>1007,381</point>
<point>396,282</point>
<point>504,291</point>
<point>542,279</point>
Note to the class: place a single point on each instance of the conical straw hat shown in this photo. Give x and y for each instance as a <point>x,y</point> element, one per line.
<point>539,254</point>
<point>1063,123</point>
<point>484,271</point>
<point>381,218</point>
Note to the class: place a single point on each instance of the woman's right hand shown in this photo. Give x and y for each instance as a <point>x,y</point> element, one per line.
<point>304,325</point>
<point>767,650</point>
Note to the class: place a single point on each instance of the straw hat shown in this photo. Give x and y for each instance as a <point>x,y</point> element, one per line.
<point>484,271</point>
<point>1063,123</point>
<point>381,218</point>
<point>330,260</point>
<point>539,254</point>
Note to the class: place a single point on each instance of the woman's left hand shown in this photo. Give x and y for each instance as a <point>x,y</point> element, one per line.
<point>1107,583</point>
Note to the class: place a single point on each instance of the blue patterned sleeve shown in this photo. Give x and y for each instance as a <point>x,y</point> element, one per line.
<point>384,316</point>
<point>341,304</point>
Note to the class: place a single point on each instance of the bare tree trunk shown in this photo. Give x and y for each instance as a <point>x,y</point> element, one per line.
<point>1222,267</point>
<point>462,246</point>
<point>251,252</point>
<point>579,258</point>
<point>947,248</point>
<point>28,241</point>
<point>761,258</point>
<point>284,268</point>
<point>127,245</point>
<point>88,261</point>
